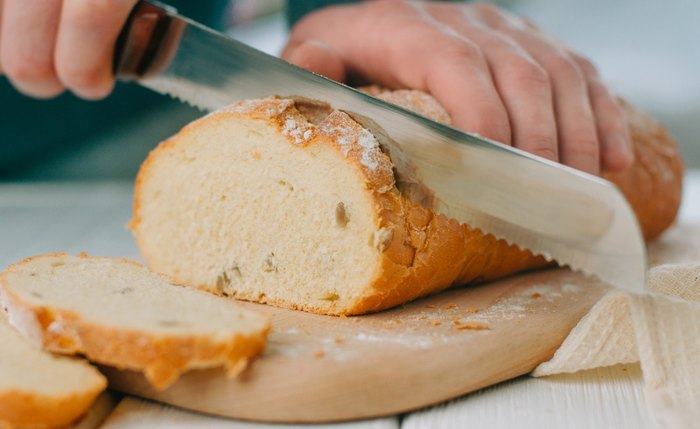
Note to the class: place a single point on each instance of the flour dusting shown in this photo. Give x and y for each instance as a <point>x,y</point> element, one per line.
<point>299,132</point>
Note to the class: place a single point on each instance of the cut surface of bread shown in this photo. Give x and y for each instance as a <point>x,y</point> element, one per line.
<point>295,204</point>
<point>118,313</point>
<point>38,389</point>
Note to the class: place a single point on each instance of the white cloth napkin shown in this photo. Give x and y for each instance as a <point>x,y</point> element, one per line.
<point>661,330</point>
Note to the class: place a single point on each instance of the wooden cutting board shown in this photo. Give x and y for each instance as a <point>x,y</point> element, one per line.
<point>322,369</point>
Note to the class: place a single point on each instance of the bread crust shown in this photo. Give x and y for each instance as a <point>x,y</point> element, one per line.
<point>162,358</point>
<point>653,185</point>
<point>19,409</point>
<point>425,252</point>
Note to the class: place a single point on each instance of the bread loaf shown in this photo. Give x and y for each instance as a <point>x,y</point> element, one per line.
<point>39,390</point>
<point>294,204</point>
<point>115,312</point>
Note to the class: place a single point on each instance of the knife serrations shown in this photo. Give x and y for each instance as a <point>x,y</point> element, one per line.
<point>575,218</point>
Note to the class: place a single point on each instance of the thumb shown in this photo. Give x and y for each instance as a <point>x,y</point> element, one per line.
<point>317,57</point>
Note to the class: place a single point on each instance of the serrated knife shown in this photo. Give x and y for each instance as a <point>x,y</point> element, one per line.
<point>575,218</point>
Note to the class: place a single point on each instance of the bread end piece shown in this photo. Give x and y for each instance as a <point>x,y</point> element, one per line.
<point>39,390</point>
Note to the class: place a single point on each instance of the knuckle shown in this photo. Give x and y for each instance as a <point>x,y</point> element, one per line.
<point>547,152</point>
<point>458,50</point>
<point>583,148</point>
<point>563,66</point>
<point>529,73</point>
<point>542,145</point>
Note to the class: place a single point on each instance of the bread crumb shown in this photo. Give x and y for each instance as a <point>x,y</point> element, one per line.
<point>472,310</point>
<point>450,306</point>
<point>430,306</point>
<point>337,340</point>
<point>397,321</point>
<point>435,322</point>
<point>319,354</point>
<point>422,317</point>
<point>536,295</point>
<point>472,326</point>
<point>343,316</point>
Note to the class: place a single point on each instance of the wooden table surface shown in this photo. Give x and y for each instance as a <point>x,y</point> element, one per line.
<point>74,217</point>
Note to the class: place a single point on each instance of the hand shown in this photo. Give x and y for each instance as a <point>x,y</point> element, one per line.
<point>47,46</point>
<point>496,74</point>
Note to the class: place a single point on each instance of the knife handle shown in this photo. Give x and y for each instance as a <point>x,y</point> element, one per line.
<point>145,42</point>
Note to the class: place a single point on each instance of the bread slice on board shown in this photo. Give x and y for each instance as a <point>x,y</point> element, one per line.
<point>38,389</point>
<point>295,204</point>
<point>117,313</point>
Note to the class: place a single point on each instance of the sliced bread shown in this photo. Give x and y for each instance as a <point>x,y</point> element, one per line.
<point>295,204</point>
<point>118,313</point>
<point>38,389</point>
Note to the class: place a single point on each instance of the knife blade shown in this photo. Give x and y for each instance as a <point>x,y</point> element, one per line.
<point>564,214</point>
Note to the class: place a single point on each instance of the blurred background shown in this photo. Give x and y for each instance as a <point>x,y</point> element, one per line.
<point>646,49</point>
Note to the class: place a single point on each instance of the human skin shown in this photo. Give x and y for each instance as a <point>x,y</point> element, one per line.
<point>496,74</point>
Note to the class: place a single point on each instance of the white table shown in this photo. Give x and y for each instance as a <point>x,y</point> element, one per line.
<point>41,218</point>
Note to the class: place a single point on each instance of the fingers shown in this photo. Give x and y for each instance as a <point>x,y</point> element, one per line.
<point>578,137</point>
<point>317,57</point>
<point>522,84</point>
<point>27,43</point>
<point>577,133</point>
<point>424,55</point>
<point>575,106</point>
<point>527,93</point>
<point>394,44</point>
<point>460,80</point>
<point>613,130</point>
<point>525,89</point>
<point>496,74</point>
<point>85,45</point>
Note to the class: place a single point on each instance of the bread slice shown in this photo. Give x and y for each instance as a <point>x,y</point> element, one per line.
<point>38,389</point>
<point>118,313</point>
<point>295,204</point>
